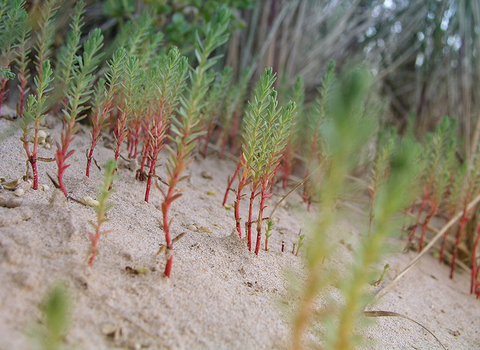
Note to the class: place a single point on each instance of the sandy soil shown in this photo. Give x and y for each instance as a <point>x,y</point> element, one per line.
<point>220,295</point>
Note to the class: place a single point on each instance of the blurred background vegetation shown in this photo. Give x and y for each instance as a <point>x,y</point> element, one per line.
<point>424,54</point>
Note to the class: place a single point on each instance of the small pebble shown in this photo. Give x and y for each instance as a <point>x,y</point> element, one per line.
<point>10,202</point>
<point>211,193</point>
<point>192,227</point>
<point>109,329</point>
<point>19,192</point>
<point>206,175</point>
<point>90,201</point>
<point>42,136</point>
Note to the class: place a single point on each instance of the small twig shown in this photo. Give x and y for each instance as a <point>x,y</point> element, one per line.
<point>174,240</point>
<point>395,314</point>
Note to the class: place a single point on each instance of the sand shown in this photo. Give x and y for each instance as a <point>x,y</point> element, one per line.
<point>220,295</point>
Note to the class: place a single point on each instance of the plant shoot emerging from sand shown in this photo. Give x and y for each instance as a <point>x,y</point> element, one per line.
<point>78,93</point>
<point>185,127</point>
<point>35,113</point>
<point>105,99</point>
<point>102,208</point>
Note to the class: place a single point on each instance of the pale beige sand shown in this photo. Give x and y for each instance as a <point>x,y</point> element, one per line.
<point>220,295</point>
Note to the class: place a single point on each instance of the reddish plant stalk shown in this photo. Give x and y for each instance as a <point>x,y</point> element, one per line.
<point>230,183</point>
<point>253,195</point>
<point>169,198</point>
<point>286,166</point>
<point>463,221</point>
<point>420,211</point>
<point>444,238</point>
<point>120,132</point>
<point>474,281</point>
<point>264,196</point>
<point>62,153</point>
<point>97,124</point>
<point>207,138</point>
<point>433,212</point>
<point>241,185</point>
<point>156,146</point>
<point>2,89</point>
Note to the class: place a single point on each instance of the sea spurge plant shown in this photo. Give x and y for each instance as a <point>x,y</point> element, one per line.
<point>12,19</point>
<point>391,198</point>
<point>78,93</point>
<point>234,103</point>
<point>470,190</point>
<point>313,147</point>
<point>345,133</point>
<point>167,87</point>
<point>440,155</point>
<point>380,168</point>
<point>292,145</point>
<point>274,138</point>
<point>102,208</point>
<point>253,126</point>
<point>105,100</point>
<point>35,113</point>
<point>186,125</point>
<point>215,103</point>
<point>132,84</point>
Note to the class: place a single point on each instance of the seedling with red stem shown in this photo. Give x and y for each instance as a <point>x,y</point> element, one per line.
<point>292,143</point>
<point>274,139</point>
<point>167,87</point>
<point>104,107</point>
<point>102,208</point>
<point>186,125</point>
<point>253,125</point>
<point>215,103</point>
<point>35,113</point>
<point>314,123</point>
<point>78,94</point>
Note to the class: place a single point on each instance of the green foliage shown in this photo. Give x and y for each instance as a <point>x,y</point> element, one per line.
<point>254,117</point>
<point>67,55</point>
<point>37,106</point>
<point>45,34</point>
<point>105,192</point>
<point>79,90</point>
<point>12,22</point>
<point>186,125</point>
<point>56,316</point>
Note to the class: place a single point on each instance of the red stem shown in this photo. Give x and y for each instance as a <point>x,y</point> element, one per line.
<point>444,238</point>
<point>420,210</point>
<point>241,185</point>
<point>2,89</point>
<point>225,197</point>
<point>461,225</point>
<point>264,196</point>
<point>473,282</point>
<point>432,213</point>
